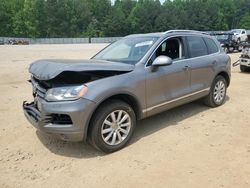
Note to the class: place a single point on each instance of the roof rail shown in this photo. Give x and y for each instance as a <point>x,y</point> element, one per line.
<point>183,31</point>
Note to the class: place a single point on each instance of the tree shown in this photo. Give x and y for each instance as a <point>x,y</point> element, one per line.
<point>98,18</point>
<point>171,16</point>
<point>125,5</point>
<point>143,16</point>
<point>82,16</point>
<point>100,10</point>
<point>115,23</point>
<point>5,18</point>
<point>241,16</point>
<point>245,22</point>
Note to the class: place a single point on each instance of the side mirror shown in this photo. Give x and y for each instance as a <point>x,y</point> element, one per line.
<point>162,61</point>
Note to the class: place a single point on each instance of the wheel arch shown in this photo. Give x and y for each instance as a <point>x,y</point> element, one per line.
<point>225,75</point>
<point>125,97</point>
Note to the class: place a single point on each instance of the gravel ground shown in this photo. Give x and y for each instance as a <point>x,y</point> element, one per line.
<point>189,146</point>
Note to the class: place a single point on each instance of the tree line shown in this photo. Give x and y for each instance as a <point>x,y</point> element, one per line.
<point>102,18</point>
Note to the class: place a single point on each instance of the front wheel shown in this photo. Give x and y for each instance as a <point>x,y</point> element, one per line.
<point>112,126</point>
<point>217,93</point>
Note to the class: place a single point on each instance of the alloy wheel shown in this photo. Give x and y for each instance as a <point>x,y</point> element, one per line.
<point>116,127</point>
<point>219,92</point>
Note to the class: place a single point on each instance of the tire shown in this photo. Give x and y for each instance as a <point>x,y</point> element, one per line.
<point>243,68</point>
<point>216,97</point>
<point>109,137</point>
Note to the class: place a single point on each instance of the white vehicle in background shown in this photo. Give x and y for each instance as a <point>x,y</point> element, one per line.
<point>245,59</point>
<point>240,35</point>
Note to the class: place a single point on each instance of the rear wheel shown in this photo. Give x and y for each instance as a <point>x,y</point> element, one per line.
<point>217,93</point>
<point>112,126</point>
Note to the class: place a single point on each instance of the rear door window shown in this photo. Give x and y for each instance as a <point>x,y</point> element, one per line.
<point>211,45</point>
<point>197,46</point>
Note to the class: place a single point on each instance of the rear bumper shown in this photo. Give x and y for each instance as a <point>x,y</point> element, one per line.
<point>41,115</point>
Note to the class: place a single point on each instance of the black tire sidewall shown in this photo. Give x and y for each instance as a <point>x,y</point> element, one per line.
<point>100,116</point>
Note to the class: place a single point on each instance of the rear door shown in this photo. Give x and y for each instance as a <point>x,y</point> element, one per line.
<point>202,62</point>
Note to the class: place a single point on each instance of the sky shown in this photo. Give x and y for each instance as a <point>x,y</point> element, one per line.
<point>160,1</point>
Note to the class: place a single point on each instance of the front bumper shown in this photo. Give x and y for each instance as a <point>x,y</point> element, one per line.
<point>245,62</point>
<point>41,114</point>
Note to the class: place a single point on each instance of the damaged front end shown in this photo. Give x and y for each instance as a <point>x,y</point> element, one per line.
<point>58,88</point>
<point>51,77</point>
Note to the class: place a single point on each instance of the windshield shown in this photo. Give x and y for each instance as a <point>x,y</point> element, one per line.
<point>222,37</point>
<point>127,50</point>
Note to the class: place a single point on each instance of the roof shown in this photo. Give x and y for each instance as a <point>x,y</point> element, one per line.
<point>160,34</point>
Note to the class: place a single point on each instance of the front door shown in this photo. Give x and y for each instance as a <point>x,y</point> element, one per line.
<point>166,85</point>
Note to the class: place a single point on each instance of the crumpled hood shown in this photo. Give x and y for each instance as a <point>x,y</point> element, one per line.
<point>49,69</point>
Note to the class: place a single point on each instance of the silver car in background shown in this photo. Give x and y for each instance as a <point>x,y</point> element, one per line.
<point>99,100</point>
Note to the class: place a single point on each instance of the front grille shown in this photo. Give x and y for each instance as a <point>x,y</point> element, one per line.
<point>57,119</point>
<point>38,90</point>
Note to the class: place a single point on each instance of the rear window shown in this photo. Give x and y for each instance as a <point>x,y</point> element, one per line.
<point>197,46</point>
<point>211,45</point>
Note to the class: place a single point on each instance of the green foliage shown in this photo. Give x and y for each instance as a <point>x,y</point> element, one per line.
<point>143,16</point>
<point>5,18</point>
<point>116,18</point>
<point>245,21</point>
<point>98,18</point>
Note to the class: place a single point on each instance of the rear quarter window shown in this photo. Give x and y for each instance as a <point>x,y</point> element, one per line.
<point>211,45</point>
<point>197,46</point>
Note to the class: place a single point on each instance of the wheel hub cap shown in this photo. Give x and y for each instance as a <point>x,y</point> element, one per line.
<point>116,127</point>
<point>219,92</point>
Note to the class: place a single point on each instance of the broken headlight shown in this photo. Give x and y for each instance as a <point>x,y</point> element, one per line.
<point>66,93</point>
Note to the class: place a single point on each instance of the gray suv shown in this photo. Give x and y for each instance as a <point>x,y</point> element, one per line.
<point>99,100</point>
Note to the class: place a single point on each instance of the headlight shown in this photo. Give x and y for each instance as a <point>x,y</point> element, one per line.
<point>66,93</point>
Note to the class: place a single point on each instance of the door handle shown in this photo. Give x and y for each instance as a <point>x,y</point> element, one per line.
<point>214,63</point>
<point>186,67</point>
